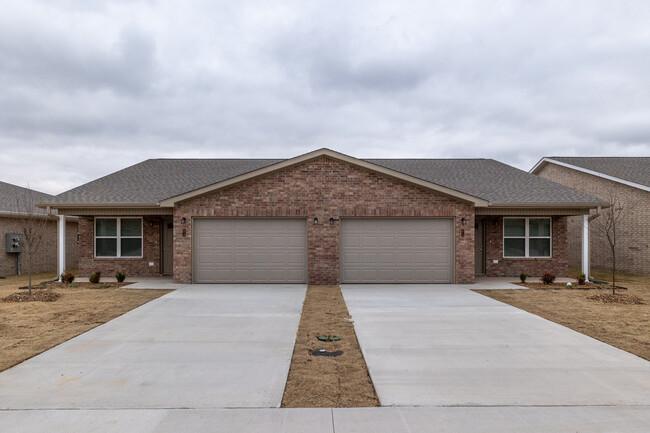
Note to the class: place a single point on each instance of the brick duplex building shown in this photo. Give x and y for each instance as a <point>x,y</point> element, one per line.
<point>629,177</point>
<point>323,218</point>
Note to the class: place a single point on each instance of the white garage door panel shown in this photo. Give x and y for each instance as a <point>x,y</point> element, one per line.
<point>241,250</point>
<point>399,250</point>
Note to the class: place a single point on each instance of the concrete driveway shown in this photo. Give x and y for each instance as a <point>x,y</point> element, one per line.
<point>445,345</point>
<point>204,346</point>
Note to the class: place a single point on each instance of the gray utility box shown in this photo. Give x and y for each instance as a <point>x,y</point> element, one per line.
<point>13,243</point>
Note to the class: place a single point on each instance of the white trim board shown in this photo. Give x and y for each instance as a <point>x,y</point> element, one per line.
<point>585,170</point>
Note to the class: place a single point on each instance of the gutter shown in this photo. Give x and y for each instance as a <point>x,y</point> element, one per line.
<point>87,205</point>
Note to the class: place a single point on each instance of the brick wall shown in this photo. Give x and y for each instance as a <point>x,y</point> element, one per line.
<point>324,188</point>
<point>130,266</point>
<point>633,252</point>
<point>557,264</point>
<point>46,258</point>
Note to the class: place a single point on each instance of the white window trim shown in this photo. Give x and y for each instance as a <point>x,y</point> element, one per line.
<point>118,237</point>
<point>527,237</point>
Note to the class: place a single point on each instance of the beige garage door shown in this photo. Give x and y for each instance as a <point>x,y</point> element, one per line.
<point>247,250</point>
<point>400,250</point>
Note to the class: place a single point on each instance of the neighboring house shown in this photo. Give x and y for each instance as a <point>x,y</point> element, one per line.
<point>629,177</point>
<point>322,218</point>
<point>13,202</point>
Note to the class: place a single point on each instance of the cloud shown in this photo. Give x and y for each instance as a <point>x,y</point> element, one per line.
<point>87,89</point>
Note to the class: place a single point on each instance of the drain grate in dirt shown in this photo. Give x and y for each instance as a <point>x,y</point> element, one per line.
<point>337,377</point>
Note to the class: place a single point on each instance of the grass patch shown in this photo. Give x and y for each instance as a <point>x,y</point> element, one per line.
<point>622,322</point>
<point>29,328</point>
<point>327,381</point>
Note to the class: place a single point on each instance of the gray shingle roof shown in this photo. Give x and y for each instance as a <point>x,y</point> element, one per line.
<point>488,179</point>
<point>157,179</point>
<point>13,198</point>
<point>154,180</point>
<point>632,169</point>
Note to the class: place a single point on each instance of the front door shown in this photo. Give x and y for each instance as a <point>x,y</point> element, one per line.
<point>479,247</point>
<point>168,247</point>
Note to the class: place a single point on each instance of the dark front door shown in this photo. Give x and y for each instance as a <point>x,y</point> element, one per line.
<point>168,247</point>
<point>479,246</point>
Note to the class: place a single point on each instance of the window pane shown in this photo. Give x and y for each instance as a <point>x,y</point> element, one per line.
<point>131,247</point>
<point>106,227</point>
<point>106,248</point>
<point>131,227</point>
<point>514,227</point>
<point>514,247</point>
<point>540,227</point>
<point>539,248</point>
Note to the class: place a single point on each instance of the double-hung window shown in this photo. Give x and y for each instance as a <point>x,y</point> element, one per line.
<point>527,237</point>
<point>118,237</point>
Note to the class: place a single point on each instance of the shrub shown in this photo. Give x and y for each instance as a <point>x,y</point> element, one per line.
<point>581,279</point>
<point>74,285</point>
<point>94,277</point>
<point>548,278</point>
<point>523,277</point>
<point>105,286</point>
<point>67,277</point>
<point>120,276</point>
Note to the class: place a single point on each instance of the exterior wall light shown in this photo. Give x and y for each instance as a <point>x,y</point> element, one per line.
<point>183,220</point>
<point>332,219</point>
<point>315,220</point>
<point>463,221</point>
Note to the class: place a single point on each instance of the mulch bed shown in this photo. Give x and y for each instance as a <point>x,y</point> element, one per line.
<point>37,295</point>
<point>557,286</point>
<point>83,285</point>
<point>619,298</point>
<point>337,377</point>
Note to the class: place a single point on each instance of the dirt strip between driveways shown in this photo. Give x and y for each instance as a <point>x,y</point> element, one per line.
<point>321,380</point>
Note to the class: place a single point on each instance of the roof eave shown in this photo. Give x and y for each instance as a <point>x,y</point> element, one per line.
<point>98,205</point>
<point>576,205</point>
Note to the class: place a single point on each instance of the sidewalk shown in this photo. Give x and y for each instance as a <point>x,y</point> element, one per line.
<point>592,419</point>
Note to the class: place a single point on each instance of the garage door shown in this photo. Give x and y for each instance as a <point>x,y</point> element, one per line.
<point>397,250</point>
<point>246,250</point>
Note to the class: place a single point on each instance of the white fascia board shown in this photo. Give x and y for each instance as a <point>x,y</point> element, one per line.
<point>592,172</point>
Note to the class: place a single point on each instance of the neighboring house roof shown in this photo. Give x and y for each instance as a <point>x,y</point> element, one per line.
<point>165,181</point>
<point>632,171</point>
<point>14,198</point>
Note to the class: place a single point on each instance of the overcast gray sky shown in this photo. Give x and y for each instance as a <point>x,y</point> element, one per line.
<point>88,88</point>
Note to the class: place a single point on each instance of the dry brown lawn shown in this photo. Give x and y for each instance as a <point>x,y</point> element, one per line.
<point>621,325</point>
<point>29,328</point>
<point>321,381</point>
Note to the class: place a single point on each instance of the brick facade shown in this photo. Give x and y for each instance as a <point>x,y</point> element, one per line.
<point>324,188</point>
<point>633,252</point>
<point>136,267</point>
<point>45,260</point>
<point>557,264</point>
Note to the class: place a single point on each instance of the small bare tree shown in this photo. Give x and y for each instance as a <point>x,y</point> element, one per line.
<point>33,226</point>
<point>608,225</point>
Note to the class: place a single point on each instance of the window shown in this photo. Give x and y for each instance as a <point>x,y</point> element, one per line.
<point>526,237</point>
<point>118,237</point>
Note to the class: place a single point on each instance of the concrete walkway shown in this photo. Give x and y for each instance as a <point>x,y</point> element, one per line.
<point>198,347</point>
<point>445,345</point>
<point>376,420</point>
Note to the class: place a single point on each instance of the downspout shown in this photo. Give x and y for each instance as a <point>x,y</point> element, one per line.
<point>60,243</point>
